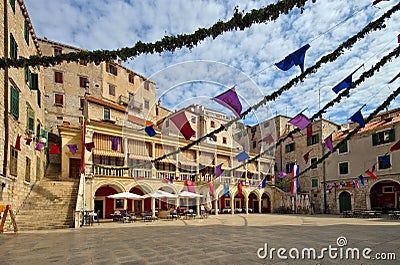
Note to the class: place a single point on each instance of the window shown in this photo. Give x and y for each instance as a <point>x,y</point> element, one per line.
<point>111,69</point>
<point>14,102</point>
<point>26,32</point>
<point>314,183</point>
<point>131,78</point>
<point>384,162</point>
<point>254,144</point>
<point>313,139</point>
<point>343,148</point>
<point>146,104</point>
<point>13,162</point>
<point>111,90</point>
<point>214,138</point>
<point>59,100</point>
<point>313,162</point>
<point>33,81</point>
<point>167,123</point>
<point>290,147</point>
<point>387,189</point>
<point>193,119</point>
<point>289,167</point>
<point>83,62</point>
<point>343,168</point>
<point>383,137</point>
<point>58,77</point>
<point>30,119</point>
<point>39,98</point>
<point>28,170</point>
<point>13,48</point>
<point>106,114</point>
<point>57,50</point>
<point>12,3</point>
<point>212,124</point>
<point>227,202</point>
<point>119,203</point>
<point>83,82</point>
<point>224,140</point>
<point>81,103</point>
<point>146,85</point>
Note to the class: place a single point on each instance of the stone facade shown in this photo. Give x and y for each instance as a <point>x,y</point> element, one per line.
<point>22,96</point>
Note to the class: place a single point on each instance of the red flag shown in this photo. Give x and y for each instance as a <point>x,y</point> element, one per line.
<point>18,143</point>
<point>54,150</point>
<point>309,130</point>
<point>190,185</point>
<point>395,147</point>
<point>348,184</point>
<point>183,125</point>
<point>89,146</point>
<point>211,186</point>
<point>306,156</point>
<point>28,141</point>
<point>240,186</point>
<point>372,175</point>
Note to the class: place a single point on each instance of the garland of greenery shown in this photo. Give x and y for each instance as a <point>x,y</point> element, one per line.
<point>239,21</point>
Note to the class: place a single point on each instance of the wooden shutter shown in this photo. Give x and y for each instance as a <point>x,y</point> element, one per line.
<point>14,102</point>
<point>34,81</point>
<point>375,139</point>
<point>392,136</point>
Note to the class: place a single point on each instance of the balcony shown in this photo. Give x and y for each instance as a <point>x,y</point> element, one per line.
<point>131,104</point>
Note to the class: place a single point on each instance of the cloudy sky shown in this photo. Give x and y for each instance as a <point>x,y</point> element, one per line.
<point>242,58</point>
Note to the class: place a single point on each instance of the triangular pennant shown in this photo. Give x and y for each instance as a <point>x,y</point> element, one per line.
<point>18,143</point>
<point>182,123</point>
<point>300,121</point>
<point>28,141</point>
<point>282,174</point>
<point>372,175</point>
<point>54,150</point>
<point>89,146</point>
<point>230,100</point>
<point>373,168</point>
<point>190,185</point>
<point>361,177</point>
<point>295,58</point>
<point>150,131</point>
<point>345,83</point>
<point>218,170</point>
<point>306,156</point>
<point>264,183</point>
<point>171,179</point>
<point>73,148</point>
<point>328,143</point>
<point>358,117</point>
<point>355,183</point>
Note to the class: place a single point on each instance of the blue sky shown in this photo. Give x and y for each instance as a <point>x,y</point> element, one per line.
<point>245,58</point>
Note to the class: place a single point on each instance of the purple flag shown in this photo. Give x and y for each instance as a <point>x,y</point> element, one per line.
<point>358,117</point>
<point>114,143</point>
<point>300,121</point>
<point>218,170</point>
<point>230,100</point>
<point>295,58</point>
<point>328,143</point>
<point>242,156</point>
<point>39,146</point>
<point>282,174</point>
<point>373,168</point>
<point>73,148</point>
<point>355,183</point>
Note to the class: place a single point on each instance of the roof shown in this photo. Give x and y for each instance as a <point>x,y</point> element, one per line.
<point>30,27</point>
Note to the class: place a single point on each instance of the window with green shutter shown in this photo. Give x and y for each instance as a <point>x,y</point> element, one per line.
<point>13,47</point>
<point>30,119</point>
<point>343,147</point>
<point>27,74</point>
<point>26,32</point>
<point>39,98</point>
<point>383,137</point>
<point>34,81</point>
<point>12,3</point>
<point>314,183</point>
<point>14,102</point>
<point>314,139</point>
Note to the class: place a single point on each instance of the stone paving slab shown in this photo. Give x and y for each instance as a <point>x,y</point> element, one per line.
<point>222,239</point>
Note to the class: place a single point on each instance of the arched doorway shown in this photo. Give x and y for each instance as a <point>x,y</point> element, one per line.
<point>265,203</point>
<point>384,196</point>
<point>253,203</point>
<point>105,205</point>
<point>138,206</point>
<point>345,201</point>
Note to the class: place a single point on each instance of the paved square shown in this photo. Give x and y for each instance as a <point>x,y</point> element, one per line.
<point>222,239</point>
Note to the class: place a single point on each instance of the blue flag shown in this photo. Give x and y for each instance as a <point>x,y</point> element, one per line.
<point>242,156</point>
<point>226,189</point>
<point>361,177</point>
<point>358,117</point>
<point>150,131</point>
<point>264,183</point>
<point>295,58</point>
<point>346,83</point>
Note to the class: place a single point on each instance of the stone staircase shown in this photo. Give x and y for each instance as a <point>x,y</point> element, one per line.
<point>50,205</point>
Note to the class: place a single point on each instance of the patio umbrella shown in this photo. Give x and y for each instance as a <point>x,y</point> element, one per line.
<point>188,194</point>
<point>126,195</point>
<point>160,194</point>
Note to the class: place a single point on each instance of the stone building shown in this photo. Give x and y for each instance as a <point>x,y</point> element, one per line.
<point>22,110</point>
<point>369,150</point>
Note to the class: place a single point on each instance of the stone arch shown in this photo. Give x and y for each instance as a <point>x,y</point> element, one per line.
<point>266,202</point>
<point>384,195</point>
<point>114,184</point>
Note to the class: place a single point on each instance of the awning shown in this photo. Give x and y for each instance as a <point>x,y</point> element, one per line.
<point>107,153</point>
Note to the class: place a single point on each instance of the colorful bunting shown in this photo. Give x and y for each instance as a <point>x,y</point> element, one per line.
<point>300,121</point>
<point>89,146</point>
<point>306,156</point>
<point>361,177</point>
<point>182,123</point>
<point>372,175</point>
<point>211,187</point>
<point>54,150</point>
<point>242,156</point>
<point>395,147</point>
<point>18,143</point>
<point>309,130</point>
<point>328,143</point>
<point>28,141</point>
<point>230,100</point>
<point>373,168</point>
<point>357,117</point>
<point>190,185</point>
<point>397,76</point>
<point>171,179</point>
<point>218,170</point>
<point>348,184</point>
<point>150,131</point>
<point>295,182</point>
<point>356,183</point>
<point>226,189</point>
<point>264,183</point>
<point>73,148</point>
<point>39,146</point>
<point>114,143</point>
<point>295,58</point>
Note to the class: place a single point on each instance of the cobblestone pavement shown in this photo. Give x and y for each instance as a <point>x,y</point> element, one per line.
<point>222,239</point>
